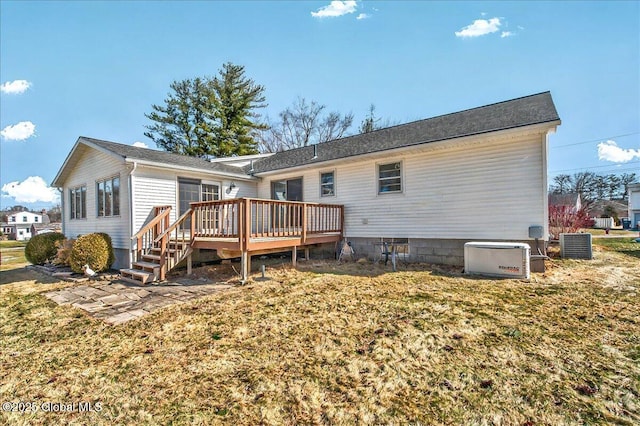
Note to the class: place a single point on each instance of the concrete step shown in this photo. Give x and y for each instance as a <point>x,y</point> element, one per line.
<point>146,265</point>
<point>139,276</point>
<point>131,280</point>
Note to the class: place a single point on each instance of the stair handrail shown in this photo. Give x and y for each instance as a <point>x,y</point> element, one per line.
<point>174,225</point>
<point>153,222</point>
<point>147,234</point>
<point>167,264</point>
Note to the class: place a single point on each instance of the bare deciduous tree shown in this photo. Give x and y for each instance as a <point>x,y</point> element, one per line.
<point>304,124</point>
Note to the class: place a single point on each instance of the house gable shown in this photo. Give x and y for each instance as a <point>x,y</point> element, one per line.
<point>130,153</point>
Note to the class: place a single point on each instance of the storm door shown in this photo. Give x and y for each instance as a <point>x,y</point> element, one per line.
<point>188,192</point>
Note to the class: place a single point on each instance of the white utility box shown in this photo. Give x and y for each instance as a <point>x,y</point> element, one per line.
<point>497,259</point>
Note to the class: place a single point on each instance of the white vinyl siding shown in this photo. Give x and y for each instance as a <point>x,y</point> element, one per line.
<point>154,186</point>
<point>490,189</point>
<point>84,173</point>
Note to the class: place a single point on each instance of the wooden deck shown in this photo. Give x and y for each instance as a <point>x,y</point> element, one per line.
<point>240,227</point>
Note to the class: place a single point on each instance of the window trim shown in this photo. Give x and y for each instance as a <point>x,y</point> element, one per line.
<point>333,172</point>
<point>210,183</point>
<point>113,203</point>
<point>72,202</point>
<point>286,181</point>
<point>400,176</point>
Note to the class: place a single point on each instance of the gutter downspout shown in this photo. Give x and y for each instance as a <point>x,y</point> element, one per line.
<point>62,218</point>
<point>131,210</point>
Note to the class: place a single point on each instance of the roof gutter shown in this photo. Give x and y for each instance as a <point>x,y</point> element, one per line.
<point>239,176</point>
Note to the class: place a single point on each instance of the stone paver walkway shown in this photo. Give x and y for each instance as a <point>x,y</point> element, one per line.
<point>117,302</point>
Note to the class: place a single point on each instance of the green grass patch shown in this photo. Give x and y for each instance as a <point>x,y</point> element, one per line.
<point>626,246</point>
<point>12,244</point>
<point>12,255</point>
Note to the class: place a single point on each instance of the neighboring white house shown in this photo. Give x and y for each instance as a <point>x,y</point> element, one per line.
<point>18,226</point>
<point>572,201</point>
<point>634,205</point>
<point>478,174</point>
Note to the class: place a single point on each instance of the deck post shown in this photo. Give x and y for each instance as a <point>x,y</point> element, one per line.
<point>244,263</point>
<point>247,222</point>
<point>294,256</point>
<point>306,253</point>
<point>163,260</point>
<point>304,223</point>
<point>189,264</point>
<point>192,227</point>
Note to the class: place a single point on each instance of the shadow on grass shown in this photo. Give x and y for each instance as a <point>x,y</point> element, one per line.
<point>16,275</point>
<point>377,269</point>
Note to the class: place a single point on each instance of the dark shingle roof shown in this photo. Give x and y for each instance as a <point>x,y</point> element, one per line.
<point>563,199</point>
<point>163,157</point>
<point>525,111</point>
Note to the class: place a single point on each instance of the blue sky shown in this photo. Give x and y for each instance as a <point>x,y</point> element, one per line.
<point>95,68</point>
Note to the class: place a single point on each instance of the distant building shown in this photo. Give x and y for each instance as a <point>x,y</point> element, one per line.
<point>18,225</point>
<point>572,201</point>
<point>634,205</point>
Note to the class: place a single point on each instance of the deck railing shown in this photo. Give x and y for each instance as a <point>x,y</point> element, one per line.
<point>238,220</point>
<point>246,218</point>
<point>175,243</point>
<point>146,236</point>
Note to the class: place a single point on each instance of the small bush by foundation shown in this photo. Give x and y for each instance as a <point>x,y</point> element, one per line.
<point>92,250</point>
<point>42,248</point>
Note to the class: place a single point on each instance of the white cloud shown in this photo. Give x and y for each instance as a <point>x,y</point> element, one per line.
<point>507,34</point>
<point>363,16</point>
<point>15,87</point>
<point>31,190</point>
<point>480,27</point>
<point>610,151</point>
<point>335,8</point>
<point>140,144</point>
<point>19,132</point>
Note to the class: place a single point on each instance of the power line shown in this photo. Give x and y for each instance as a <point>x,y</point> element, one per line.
<point>613,167</point>
<point>594,140</point>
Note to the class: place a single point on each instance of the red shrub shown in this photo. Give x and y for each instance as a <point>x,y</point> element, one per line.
<point>563,219</point>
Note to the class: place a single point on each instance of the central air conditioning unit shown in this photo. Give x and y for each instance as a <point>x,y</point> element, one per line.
<point>510,260</point>
<point>576,246</point>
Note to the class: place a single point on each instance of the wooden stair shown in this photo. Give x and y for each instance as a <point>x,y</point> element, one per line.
<point>147,270</point>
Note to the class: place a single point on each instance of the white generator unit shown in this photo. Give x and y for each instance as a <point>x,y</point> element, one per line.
<point>510,260</point>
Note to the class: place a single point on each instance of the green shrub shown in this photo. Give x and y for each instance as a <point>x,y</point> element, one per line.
<point>92,250</point>
<point>42,248</point>
<point>112,256</point>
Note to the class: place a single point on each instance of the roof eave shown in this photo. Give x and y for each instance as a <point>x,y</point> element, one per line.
<point>58,181</point>
<point>160,165</point>
<point>550,125</point>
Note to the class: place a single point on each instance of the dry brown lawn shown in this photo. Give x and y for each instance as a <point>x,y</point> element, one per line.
<point>341,344</point>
